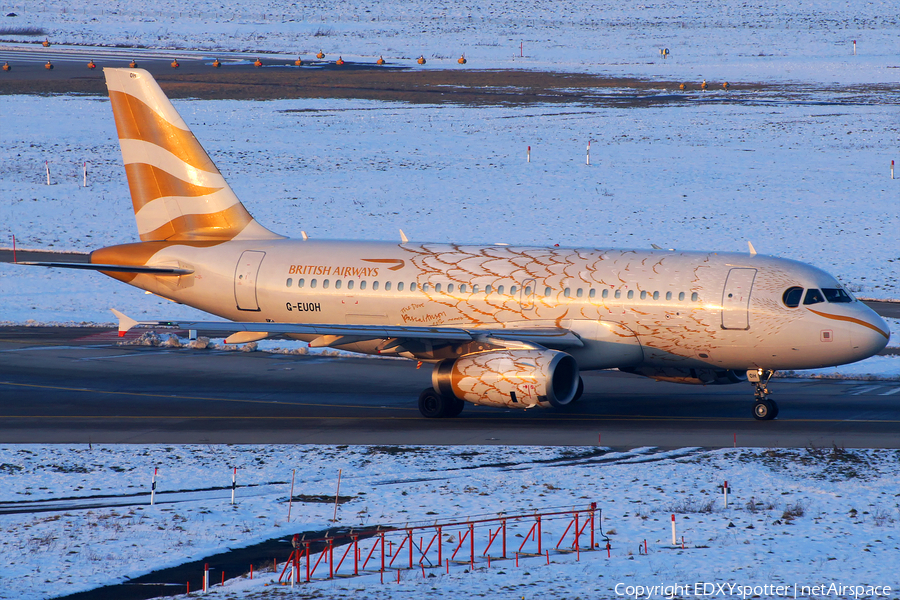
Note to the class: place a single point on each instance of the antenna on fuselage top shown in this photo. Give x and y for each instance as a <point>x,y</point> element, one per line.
<point>752,249</point>
<point>403,238</point>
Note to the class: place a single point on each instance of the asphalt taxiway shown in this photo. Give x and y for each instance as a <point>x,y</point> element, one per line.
<point>77,385</point>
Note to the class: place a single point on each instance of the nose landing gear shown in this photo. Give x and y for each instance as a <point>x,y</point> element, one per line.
<point>764,409</point>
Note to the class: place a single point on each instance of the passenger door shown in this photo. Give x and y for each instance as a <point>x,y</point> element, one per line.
<point>736,298</point>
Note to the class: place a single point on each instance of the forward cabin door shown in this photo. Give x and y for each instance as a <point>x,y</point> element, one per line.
<point>736,299</point>
<point>245,276</point>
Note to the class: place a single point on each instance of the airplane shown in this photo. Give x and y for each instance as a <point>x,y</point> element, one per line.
<point>502,325</point>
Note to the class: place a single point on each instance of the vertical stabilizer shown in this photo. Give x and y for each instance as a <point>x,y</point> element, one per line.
<point>177,191</point>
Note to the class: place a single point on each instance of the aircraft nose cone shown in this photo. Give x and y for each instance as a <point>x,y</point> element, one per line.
<point>870,336</point>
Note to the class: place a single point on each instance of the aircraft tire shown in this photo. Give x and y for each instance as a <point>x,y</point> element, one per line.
<point>454,407</point>
<point>433,405</point>
<point>774,409</point>
<point>765,410</point>
<point>579,391</point>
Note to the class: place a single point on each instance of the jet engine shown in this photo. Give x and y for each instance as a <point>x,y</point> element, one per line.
<point>509,378</point>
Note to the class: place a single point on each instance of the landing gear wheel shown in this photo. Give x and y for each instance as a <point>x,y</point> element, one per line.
<point>579,391</point>
<point>431,404</point>
<point>454,407</point>
<point>765,410</point>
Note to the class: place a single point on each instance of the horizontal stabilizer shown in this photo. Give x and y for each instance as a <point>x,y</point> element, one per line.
<point>126,322</point>
<point>111,268</point>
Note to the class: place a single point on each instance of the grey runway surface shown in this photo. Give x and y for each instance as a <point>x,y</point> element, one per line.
<point>75,385</point>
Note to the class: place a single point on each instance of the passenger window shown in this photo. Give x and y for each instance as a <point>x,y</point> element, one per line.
<point>579,293</point>
<point>547,291</point>
<point>618,294</point>
<point>289,282</point>
<point>374,285</point>
<point>449,288</point>
<point>462,288</point>
<point>437,287</point>
<point>681,296</point>
<point>412,286</point>
<point>350,284</point>
<point>487,289</point>
<point>500,289</point>
<point>813,296</point>
<point>656,295</point>
<point>399,286</point>
<point>475,288</point>
<point>605,294</point>
<point>668,295</point>
<point>566,292</point>
<point>387,286</point>
<point>312,283</point>
<point>301,283</point>
<point>325,283</point>
<point>362,284</point>
<point>592,293</point>
<point>791,297</point>
<point>512,290</point>
<point>643,295</point>
<point>695,297</point>
<point>630,294</point>
<point>832,295</point>
<point>338,284</point>
<point>527,290</point>
<point>425,287</point>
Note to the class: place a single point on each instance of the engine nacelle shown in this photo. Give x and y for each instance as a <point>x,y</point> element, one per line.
<point>691,376</point>
<point>509,378</point>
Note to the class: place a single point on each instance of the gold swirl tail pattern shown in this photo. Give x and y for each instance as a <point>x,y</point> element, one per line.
<point>177,192</point>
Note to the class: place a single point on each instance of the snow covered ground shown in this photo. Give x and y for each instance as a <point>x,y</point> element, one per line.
<point>805,516</point>
<point>735,41</point>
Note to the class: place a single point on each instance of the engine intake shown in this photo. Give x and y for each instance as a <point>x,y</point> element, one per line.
<point>509,378</point>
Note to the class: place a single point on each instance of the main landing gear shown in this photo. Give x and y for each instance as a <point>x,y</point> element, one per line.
<point>435,406</point>
<point>763,408</point>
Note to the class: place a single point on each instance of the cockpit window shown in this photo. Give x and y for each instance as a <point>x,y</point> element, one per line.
<point>792,297</point>
<point>837,295</point>
<point>813,296</point>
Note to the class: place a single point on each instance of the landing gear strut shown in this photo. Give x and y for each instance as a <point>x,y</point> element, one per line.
<point>433,405</point>
<point>763,408</point>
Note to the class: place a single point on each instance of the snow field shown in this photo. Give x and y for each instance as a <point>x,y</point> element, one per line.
<point>737,41</point>
<point>795,516</point>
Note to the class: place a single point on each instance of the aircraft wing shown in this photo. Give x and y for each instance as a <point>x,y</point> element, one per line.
<point>336,334</point>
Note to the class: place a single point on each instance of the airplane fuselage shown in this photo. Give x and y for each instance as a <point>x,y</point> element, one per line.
<point>649,311</point>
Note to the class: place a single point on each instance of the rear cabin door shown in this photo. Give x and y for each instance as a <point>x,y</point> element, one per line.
<point>736,299</point>
<point>245,276</point>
